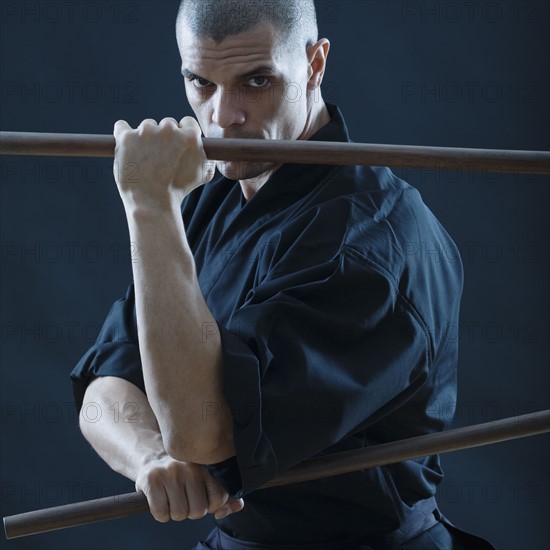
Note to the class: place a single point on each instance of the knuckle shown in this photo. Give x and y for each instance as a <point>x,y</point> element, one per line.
<point>147,126</point>
<point>155,482</point>
<point>198,514</point>
<point>172,468</point>
<point>188,468</point>
<point>160,513</point>
<point>215,506</point>
<point>162,517</point>
<point>144,485</point>
<point>217,499</point>
<point>153,476</point>
<point>179,513</point>
<point>214,490</point>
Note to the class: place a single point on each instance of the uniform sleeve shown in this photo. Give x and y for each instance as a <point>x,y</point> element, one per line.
<point>115,352</point>
<point>309,356</point>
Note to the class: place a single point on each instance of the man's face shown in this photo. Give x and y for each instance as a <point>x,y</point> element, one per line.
<point>244,87</point>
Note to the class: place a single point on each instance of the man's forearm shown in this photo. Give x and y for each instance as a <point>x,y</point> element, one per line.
<point>179,342</point>
<point>124,432</point>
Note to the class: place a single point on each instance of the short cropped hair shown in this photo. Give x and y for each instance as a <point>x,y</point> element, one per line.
<point>295,21</point>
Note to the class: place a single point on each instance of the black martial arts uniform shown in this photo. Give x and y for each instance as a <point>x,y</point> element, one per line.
<point>336,292</point>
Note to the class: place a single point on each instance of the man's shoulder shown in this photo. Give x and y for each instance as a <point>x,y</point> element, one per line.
<point>382,217</point>
<point>368,200</point>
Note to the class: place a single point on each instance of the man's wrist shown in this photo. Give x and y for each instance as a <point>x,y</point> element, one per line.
<point>146,460</point>
<point>147,208</point>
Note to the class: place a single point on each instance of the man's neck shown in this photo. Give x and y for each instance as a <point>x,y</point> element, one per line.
<point>317,118</point>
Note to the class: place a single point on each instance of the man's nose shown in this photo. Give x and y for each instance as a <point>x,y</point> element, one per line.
<point>227,109</point>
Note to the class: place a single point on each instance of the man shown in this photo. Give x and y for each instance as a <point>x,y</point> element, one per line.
<point>284,312</point>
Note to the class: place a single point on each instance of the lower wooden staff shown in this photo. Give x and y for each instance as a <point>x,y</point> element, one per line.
<point>296,151</point>
<point>82,513</point>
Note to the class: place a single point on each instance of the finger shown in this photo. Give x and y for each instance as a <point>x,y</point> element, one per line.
<point>188,122</point>
<point>208,167</point>
<point>196,497</point>
<point>231,506</point>
<point>177,501</point>
<point>147,124</point>
<point>217,497</point>
<point>216,494</point>
<point>120,127</point>
<point>158,501</point>
<point>236,504</point>
<point>168,121</point>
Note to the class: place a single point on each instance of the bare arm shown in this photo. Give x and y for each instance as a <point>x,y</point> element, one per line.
<point>128,439</point>
<point>182,369</point>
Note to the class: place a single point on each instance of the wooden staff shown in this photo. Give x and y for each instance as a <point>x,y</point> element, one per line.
<point>71,515</point>
<point>298,151</point>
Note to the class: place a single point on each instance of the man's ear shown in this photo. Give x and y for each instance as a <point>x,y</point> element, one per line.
<point>317,57</point>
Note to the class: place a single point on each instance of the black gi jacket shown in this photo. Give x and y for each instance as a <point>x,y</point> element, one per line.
<point>337,293</point>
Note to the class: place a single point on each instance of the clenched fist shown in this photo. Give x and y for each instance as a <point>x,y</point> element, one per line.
<point>159,164</point>
<point>183,490</point>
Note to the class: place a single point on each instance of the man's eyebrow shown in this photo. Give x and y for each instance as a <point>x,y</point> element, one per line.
<point>257,70</point>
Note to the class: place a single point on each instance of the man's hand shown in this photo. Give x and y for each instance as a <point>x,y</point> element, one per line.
<point>157,165</point>
<point>183,490</point>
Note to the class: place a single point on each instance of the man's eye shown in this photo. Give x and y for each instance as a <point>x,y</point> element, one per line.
<point>259,81</point>
<point>201,82</point>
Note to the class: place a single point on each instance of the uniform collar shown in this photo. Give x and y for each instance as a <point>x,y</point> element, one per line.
<point>293,181</point>
<point>335,129</point>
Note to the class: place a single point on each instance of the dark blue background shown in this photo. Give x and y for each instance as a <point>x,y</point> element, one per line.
<point>473,74</point>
